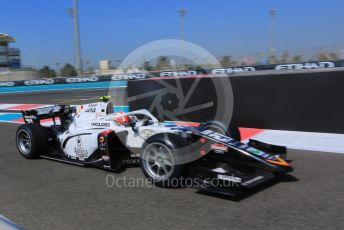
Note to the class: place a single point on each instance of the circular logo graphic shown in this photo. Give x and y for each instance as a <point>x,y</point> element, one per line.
<point>180,91</point>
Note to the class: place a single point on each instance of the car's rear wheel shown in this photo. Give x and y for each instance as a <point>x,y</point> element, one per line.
<point>31,140</point>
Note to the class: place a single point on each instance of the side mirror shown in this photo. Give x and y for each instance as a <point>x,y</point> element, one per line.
<point>133,126</point>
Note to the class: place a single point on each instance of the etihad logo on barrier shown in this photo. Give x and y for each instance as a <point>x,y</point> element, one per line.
<point>138,76</point>
<point>308,65</point>
<point>7,84</point>
<point>81,79</point>
<point>234,70</point>
<point>179,73</point>
<point>39,82</point>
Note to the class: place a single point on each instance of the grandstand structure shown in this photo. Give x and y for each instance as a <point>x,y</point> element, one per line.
<point>9,57</point>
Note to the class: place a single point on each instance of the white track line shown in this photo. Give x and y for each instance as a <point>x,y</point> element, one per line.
<point>322,142</point>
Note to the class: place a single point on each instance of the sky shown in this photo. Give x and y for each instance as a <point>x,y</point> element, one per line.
<point>111,29</point>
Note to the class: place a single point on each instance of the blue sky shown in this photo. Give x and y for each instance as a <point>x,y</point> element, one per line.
<point>111,29</point>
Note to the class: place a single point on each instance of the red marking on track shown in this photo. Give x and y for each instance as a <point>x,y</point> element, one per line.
<point>247,133</point>
<point>20,120</point>
<point>23,107</point>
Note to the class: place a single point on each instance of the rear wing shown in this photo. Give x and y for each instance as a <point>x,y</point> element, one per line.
<point>62,112</point>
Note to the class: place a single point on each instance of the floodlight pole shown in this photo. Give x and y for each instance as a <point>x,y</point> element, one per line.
<point>74,13</point>
<point>272,13</point>
<point>182,14</point>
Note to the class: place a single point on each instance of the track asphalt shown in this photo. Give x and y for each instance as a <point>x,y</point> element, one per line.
<point>43,194</point>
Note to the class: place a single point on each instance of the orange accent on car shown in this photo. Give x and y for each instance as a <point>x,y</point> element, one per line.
<point>279,161</point>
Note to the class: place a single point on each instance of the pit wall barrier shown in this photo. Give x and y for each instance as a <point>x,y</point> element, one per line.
<point>104,80</point>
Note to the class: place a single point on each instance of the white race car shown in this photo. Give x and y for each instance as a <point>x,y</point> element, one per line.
<point>93,135</point>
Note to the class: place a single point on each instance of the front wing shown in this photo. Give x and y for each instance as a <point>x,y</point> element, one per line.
<point>242,167</point>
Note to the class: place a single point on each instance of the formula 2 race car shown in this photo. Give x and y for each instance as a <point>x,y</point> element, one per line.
<point>93,135</point>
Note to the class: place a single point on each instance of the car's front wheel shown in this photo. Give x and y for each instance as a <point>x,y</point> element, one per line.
<point>159,160</point>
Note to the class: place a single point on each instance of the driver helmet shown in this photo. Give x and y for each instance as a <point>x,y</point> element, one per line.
<point>123,120</point>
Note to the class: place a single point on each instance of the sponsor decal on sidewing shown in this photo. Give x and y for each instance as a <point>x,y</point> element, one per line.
<point>229,141</point>
<point>99,124</point>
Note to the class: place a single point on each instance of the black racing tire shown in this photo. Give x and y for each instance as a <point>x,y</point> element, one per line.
<point>31,140</point>
<point>169,148</point>
<point>219,127</point>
